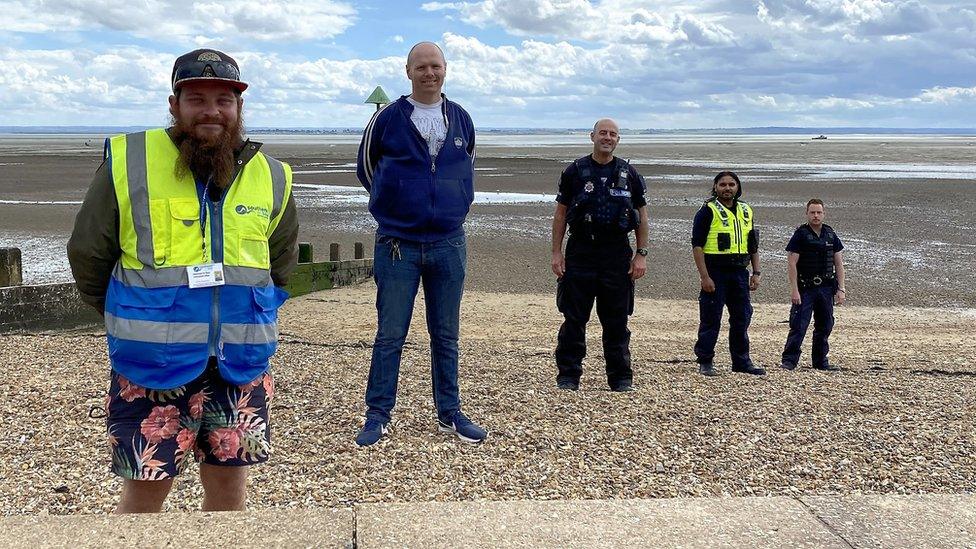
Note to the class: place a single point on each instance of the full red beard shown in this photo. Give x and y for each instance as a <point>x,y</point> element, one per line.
<point>211,156</point>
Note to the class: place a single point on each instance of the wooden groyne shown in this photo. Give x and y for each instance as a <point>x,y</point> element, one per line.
<point>58,306</point>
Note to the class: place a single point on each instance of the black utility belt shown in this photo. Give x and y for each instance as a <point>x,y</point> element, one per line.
<point>738,261</point>
<point>598,241</point>
<point>816,280</point>
<point>604,233</point>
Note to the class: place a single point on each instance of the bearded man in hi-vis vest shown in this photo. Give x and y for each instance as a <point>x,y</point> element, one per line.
<point>183,242</point>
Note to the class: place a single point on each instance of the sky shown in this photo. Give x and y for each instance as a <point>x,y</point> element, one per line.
<point>663,64</point>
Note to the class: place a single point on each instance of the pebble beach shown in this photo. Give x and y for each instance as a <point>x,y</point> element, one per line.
<point>897,419</point>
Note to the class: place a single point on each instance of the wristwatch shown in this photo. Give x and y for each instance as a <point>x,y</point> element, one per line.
<point>756,273</point>
<point>642,251</point>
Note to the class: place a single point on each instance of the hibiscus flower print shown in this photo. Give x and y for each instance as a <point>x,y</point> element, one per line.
<point>185,440</point>
<point>162,423</point>
<point>225,443</point>
<point>251,384</point>
<point>196,405</point>
<point>269,388</point>
<point>129,391</point>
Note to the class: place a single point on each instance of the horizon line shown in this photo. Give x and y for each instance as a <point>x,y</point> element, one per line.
<point>525,128</point>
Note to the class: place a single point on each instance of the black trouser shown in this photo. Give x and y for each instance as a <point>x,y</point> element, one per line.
<point>595,270</point>
<point>816,301</point>
<point>732,291</point>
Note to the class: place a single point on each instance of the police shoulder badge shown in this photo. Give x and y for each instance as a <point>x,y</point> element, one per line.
<point>588,187</point>
<point>458,142</point>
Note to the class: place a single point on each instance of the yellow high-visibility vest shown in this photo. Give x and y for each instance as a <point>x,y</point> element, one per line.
<point>734,226</point>
<point>161,332</point>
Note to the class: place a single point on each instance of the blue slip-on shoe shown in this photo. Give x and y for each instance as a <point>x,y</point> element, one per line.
<point>371,433</point>
<point>463,427</point>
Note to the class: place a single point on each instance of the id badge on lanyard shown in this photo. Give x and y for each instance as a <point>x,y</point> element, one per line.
<point>205,276</point>
<point>208,274</point>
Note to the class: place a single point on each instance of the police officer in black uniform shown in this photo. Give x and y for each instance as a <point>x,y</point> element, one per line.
<point>816,272</point>
<point>601,199</point>
<point>724,241</point>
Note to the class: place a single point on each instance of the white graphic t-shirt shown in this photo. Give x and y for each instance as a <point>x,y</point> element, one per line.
<point>430,123</point>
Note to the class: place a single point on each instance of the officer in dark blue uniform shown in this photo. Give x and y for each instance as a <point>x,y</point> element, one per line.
<point>601,199</point>
<point>816,272</point>
<point>724,241</point>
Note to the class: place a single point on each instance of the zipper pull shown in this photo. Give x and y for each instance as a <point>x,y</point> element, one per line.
<point>433,166</point>
<point>220,351</point>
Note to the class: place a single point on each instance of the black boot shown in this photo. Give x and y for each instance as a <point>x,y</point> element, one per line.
<point>750,369</point>
<point>707,369</point>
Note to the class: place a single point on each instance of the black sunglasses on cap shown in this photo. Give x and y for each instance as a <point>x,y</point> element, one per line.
<point>207,65</point>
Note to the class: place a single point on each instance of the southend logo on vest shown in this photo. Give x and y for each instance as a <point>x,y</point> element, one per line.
<point>247,210</point>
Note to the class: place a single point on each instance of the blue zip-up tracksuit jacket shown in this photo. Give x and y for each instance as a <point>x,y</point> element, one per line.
<point>411,195</point>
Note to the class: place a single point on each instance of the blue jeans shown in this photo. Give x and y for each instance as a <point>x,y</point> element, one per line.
<point>817,301</point>
<point>399,266</point>
<point>732,291</point>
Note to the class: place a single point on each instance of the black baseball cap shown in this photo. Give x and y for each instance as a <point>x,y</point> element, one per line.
<point>207,64</point>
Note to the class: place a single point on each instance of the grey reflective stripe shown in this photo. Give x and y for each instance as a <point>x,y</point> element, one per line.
<point>150,278</point>
<point>277,185</point>
<point>249,334</point>
<point>135,173</point>
<point>149,331</point>
<point>176,276</point>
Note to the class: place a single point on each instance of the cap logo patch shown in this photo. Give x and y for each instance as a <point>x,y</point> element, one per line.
<point>208,72</point>
<point>209,56</point>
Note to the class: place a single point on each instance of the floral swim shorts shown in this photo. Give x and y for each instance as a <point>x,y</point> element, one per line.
<point>153,434</point>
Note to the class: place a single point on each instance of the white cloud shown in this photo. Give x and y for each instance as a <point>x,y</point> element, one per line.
<point>762,101</point>
<point>130,85</point>
<point>858,17</point>
<point>183,20</point>
<point>535,68</point>
<point>607,21</point>
<point>669,63</point>
<point>830,103</point>
<point>940,94</point>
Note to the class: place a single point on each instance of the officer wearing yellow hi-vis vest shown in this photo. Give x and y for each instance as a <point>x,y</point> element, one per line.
<point>183,241</point>
<point>724,241</point>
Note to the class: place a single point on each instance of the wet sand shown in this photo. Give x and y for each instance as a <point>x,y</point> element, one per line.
<point>909,239</point>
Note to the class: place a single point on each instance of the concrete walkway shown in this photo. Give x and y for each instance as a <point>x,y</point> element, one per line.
<point>854,521</point>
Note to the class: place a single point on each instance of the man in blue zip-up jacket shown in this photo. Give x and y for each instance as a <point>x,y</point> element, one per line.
<point>416,160</point>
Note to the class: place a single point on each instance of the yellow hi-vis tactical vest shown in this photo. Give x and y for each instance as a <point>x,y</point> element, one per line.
<point>161,332</point>
<point>729,233</point>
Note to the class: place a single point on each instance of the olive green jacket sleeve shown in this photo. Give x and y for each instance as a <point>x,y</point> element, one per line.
<point>283,244</point>
<point>93,248</point>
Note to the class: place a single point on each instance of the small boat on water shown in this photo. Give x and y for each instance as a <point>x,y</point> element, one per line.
<point>821,136</point>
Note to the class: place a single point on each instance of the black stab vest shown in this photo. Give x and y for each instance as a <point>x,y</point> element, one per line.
<point>816,254</point>
<point>602,209</point>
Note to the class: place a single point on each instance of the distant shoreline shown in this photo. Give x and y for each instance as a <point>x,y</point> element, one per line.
<point>755,131</point>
